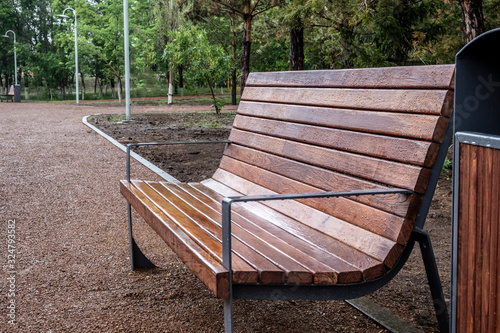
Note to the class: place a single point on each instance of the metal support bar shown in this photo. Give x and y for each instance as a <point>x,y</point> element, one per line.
<point>433,279</point>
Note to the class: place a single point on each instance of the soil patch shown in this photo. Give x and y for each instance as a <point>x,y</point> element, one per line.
<point>407,296</point>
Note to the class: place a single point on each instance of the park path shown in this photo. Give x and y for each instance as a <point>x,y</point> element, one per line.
<point>59,188</point>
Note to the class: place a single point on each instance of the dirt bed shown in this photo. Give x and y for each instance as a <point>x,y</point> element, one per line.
<point>407,296</point>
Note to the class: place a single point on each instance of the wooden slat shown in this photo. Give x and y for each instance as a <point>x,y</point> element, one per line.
<point>369,266</point>
<point>270,244</point>
<point>243,241</point>
<point>386,147</point>
<point>435,102</point>
<point>478,232</point>
<point>379,222</point>
<point>283,240</point>
<point>374,245</point>
<point>398,204</point>
<point>207,237</point>
<point>203,265</point>
<point>418,126</point>
<point>417,77</point>
<point>383,171</point>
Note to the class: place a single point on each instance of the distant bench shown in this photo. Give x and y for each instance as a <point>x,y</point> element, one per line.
<point>327,179</point>
<point>10,95</point>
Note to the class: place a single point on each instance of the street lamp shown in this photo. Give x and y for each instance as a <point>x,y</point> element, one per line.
<point>76,49</point>
<point>15,58</point>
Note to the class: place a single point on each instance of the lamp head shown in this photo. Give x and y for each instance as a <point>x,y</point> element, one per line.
<point>5,36</point>
<point>63,16</point>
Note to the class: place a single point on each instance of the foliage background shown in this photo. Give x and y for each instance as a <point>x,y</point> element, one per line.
<point>336,34</point>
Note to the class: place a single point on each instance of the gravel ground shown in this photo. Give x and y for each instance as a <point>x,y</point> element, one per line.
<point>59,193</point>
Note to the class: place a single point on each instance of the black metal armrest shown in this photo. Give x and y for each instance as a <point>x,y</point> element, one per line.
<point>226,211</point>
<point>164,144</point>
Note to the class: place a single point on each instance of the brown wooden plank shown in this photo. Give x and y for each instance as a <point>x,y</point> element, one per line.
<point>244,243</point>
<point>208,235</point>
<point>495,248</point>
<point>435,102</point>
<point>300,250</point>
<point>369,266</point>
<point>418,126</point>
<point>205,237</point>
<point>495,220</point>
<point>386,147</point>
<point>374,245</point>
<point>409,77</point>
<point>203,265</point>
<point>261,240</point>
<point>379,222</point>
<point>463,241</point>
<point>388,172</point>
<point>398,204</point>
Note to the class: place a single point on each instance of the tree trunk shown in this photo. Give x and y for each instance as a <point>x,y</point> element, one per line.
<point>119,89</point>
<point>473,20</point>
<point>83,86</point>
<point>297,49</point>
<point>181,79</point>
<point>247,42</point>
<point>233,63</point>
<point>112,82</point>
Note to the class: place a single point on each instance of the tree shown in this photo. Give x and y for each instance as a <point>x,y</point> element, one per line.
<point>206,61</point>
<point>472,19</point>
<point>247,10</point>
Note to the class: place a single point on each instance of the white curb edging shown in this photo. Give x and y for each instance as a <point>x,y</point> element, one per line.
<point>136,156</point>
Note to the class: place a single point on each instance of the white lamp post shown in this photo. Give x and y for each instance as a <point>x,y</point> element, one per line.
<point>15,58</point>
<point>127,60</point>
<point>76,49</point>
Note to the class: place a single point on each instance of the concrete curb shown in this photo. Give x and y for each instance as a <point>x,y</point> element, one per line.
<point>136,156</point>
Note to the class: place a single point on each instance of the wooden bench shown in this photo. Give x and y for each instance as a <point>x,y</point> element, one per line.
<point>10,95</point>
<point>321,192</point>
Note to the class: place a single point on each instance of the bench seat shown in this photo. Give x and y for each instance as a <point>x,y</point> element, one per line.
<point>311,132</point>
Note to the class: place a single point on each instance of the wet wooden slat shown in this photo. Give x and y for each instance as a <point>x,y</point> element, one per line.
<point>374,245</point>
<point>205,237</point>
<point>398,204</point>
<point>386,147</point>
<point>418,126</point>
<point>369,266</point>
<point>409,77</point>
<point>409,101</point>
<point>244,242</point>
<point>388,172</point>
<point>381,223</point>
<point>203,265</point>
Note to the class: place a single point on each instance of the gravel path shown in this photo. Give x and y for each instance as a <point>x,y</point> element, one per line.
<point>59,193</point>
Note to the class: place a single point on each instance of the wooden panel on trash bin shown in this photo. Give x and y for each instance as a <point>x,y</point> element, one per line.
<point>478,232</point>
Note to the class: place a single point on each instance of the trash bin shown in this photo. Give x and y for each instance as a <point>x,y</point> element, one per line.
<point>475,280</point>
<point>17,93</point>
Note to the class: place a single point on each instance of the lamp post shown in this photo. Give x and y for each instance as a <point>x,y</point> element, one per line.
<point>15,57</point>
<point>76,48</point>
<point>127,60</point>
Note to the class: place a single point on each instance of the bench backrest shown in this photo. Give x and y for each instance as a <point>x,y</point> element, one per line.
<point>340,130</point>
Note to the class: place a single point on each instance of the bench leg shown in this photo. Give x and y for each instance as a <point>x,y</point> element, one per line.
<point>228,315</point>
<point>434,280</point>
<point>137,258</point>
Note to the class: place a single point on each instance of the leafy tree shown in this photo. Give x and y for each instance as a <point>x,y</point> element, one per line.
<point>206,61</point>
